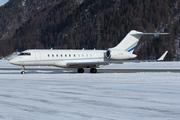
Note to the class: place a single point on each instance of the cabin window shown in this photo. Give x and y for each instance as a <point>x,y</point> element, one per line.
<point>82,55</point>
<point>24,54</point>
<point>86,55</point>
<point>56,55</point>
<point>90,55</point>
<point>65,55</point>
<point>69,55</point>
<point>74,55</point>
<point>48,55</point>
<point>52,55</point>
<point>78,55</point>
<point>61,55</point>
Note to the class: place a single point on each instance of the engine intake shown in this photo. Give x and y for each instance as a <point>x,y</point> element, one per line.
<point>108,54</point>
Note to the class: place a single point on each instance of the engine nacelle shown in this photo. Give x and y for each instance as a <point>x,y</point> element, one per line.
<point>119,55</point>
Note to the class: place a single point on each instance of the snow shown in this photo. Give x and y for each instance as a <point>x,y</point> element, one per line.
<point>3,2</point>
<point>24,3</point>
<point>145,65</point>
<point>101,96</point>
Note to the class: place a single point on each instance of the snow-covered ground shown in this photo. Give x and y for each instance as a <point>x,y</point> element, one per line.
<point>101,96</point>
<point>145,65</point>
<point>127,65</point>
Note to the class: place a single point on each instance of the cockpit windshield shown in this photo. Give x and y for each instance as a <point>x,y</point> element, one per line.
<point>24,54</point>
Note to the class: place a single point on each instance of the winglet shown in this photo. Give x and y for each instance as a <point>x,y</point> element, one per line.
<point>163,56</point>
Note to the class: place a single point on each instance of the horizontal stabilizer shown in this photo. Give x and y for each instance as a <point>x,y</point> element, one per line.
<point>150,33</point>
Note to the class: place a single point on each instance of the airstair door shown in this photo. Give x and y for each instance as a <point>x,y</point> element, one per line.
<point>37,57</point>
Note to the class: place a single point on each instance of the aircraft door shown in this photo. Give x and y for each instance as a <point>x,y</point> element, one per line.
<point>37,57</point>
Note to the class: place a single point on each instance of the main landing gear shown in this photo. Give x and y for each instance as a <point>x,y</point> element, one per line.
<point>92,70</point>
<point>80,70</point>
<point>23,70</point>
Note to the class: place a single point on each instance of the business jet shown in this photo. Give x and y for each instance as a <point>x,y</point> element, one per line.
<point>81,59</point>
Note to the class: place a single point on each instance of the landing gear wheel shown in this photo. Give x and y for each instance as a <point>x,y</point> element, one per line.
<point>23,72</point>
<point>80,70</point>
<point>93,70</point>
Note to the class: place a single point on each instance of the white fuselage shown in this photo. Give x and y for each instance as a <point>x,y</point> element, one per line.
<point>60,58</point>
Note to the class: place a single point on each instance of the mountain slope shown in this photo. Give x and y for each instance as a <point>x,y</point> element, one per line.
<point>16,12</point>
<point>101,24</point>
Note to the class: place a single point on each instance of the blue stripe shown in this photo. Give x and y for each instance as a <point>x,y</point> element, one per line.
<point>132,49</point>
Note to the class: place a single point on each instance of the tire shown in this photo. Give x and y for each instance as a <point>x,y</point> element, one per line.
<point>93,70</point>
<point>80,70</point>
<point>23,72</point>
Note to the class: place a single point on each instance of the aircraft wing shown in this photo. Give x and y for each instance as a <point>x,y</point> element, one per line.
<point>87,64</point>
<point>102,63</point>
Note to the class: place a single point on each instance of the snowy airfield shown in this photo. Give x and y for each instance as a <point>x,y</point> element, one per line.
<point>48,95</point>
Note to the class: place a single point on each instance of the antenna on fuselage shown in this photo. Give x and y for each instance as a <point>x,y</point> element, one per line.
<point>52,48</point>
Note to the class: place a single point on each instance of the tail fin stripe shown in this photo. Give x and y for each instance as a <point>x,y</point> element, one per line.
<point>132,49</point>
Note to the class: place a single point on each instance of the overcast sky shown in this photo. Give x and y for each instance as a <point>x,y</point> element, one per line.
<point>2,2</point>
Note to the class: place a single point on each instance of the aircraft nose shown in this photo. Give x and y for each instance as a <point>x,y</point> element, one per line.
<point>12,61</point>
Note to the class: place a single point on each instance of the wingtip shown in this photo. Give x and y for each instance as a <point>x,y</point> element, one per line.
<point>163,56</point>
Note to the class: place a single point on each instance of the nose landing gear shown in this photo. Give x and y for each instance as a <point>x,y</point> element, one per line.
<point>23,70</point>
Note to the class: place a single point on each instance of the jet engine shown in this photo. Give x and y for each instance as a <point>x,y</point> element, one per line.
<point>119,55</point>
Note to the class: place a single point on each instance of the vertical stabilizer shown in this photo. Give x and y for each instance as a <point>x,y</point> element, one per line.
<point>131,40</point>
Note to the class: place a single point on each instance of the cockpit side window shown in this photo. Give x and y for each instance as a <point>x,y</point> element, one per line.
<point>24,54</point>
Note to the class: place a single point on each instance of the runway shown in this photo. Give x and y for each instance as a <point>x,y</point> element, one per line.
<point>100,70</point>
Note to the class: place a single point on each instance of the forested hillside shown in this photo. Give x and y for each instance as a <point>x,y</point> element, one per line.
<point>16,12</point>
<point>99,24</point>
